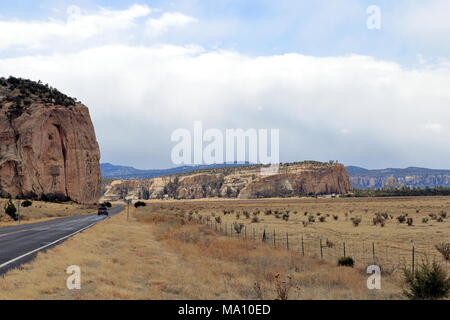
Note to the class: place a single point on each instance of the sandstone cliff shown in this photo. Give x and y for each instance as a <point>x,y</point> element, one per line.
<point>299,179</point>
<point>48,147</point>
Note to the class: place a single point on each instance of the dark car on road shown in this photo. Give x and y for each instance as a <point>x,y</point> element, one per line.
<point>103,211</point>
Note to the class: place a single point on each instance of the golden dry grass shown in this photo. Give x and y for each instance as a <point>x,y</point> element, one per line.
<point>393,242</point>
<point>156,256</point>
<point>41,211</point>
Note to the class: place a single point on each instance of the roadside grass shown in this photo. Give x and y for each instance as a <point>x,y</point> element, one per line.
<point>42,211</point>
<point>159,256</point>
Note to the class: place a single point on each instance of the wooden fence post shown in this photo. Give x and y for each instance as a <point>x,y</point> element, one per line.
<point>413,257</point>
<point>287,240</point>
<point>274,238</point>
<point>344,250</point>
<point>303,248</point>
<point>321,249</point>
<point>373,252</point>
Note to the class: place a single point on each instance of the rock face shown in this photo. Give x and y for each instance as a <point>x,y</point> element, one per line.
<point>298,179</point>
<point>48,147</point>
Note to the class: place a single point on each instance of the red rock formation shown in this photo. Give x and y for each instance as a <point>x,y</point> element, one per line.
<point>46,149</point>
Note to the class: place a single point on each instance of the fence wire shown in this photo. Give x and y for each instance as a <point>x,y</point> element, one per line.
<point>390,256</point>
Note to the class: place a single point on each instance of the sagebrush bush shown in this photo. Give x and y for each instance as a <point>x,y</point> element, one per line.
<point>429,282</point>
<point>401,219</point>
<point>10,210</point>
<point>346,262</point>
<point>444,249</point>
<point>356,221</point>
<point>238,227</point>
<point>26,204</point>
<point>255,219</point>
<point>140,204</point>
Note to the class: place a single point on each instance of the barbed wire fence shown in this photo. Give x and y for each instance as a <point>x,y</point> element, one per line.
<point>390,256</point>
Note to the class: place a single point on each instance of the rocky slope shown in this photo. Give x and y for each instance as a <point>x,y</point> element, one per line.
<point>396,178</point>
<point>298,179</point>
<point>48,147</point>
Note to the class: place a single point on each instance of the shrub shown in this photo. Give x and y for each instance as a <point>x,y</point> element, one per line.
<point>346,262</point>
<point>255,219</point>
<point>286,217</point>
<point>443,214</point>
<point>429,282</point>
<point>238,227</point>
<point>336,218</point>
<point>444,249</point>
<point>356,221</point>
<point>410,221</point>
<point>378,219</point>
<point>401,219</point>
<point>219,220</point>
<point>10,210</point>
<point>26,204</point>
<point>107,204</point>
<point>424,220</point>
<point>283,286</point>
<point>311,219</point>
<point>322,219</point>
<point>140,204</point>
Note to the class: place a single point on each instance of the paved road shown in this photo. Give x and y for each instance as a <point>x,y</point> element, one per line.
<point>20,244</point>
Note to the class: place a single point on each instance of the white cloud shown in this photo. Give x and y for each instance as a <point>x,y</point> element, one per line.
<point>433,127</point>
<point>139,95</point>
<point>157,27</point>
<point>78,26</point>
<point>428,21</point>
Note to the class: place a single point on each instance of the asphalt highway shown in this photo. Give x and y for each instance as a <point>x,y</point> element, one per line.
<point>20,244</point>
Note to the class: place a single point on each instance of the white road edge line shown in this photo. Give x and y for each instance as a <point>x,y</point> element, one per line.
<point>43,247</point>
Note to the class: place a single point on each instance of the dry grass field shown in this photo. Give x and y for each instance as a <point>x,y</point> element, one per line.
<point>40,211</point>
<point>390,245</point>
<point>156,256</point>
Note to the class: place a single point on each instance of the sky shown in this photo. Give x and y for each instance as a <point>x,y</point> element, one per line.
<point>336,89</point>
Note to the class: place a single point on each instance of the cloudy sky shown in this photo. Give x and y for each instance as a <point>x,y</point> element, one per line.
<point>335,89</point>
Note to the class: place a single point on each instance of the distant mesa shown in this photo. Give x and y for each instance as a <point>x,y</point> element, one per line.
<point>391,178</point>
<point>48,147</point>
<point>236,181</point>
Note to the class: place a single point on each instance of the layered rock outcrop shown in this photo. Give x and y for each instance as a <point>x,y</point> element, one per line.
<point>48,147</point>
<point>299,179</point>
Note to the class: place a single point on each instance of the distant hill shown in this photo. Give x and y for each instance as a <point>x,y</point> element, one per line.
<point>360,178</point>
<point>411,177</point>
<point>111,171</point>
